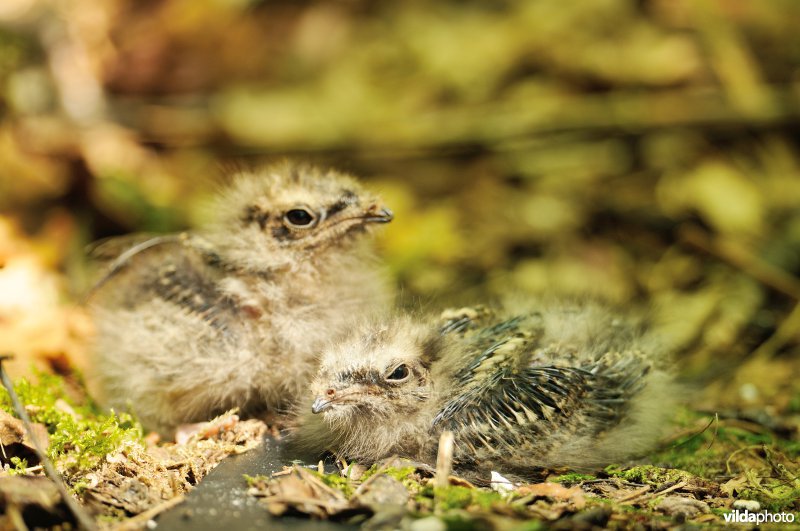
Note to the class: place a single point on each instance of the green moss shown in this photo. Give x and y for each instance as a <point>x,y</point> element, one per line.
<point>792,448</point>
<point>83,443</point>
<point>460,522</point>
<point>398,473</point>
<point>647,474</point>
<point>79,439</point>
<point>19,466</point>
<point>773,495</point>
<point>78,487</point>
<point>252,480</point>
<point>335,481</point>
<point>794,404</point>
<point>765,463</point>
<point>404,475</point>
<point>571,479</point>
<point>452,497</point>
<point>707,453</point>
<point>531,525</point>
<point>457,497</point>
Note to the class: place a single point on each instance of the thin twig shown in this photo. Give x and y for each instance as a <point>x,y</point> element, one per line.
<point>651,495</point>
<point>16,518</point>
<point>739,451</point>
<point>84,520</point>
<point>716,431</point>
<point>444,460</point>
<point>635,494</point>
<point>673,438</point>
<point>771,276</point>
<point>744,260</point>
<point>784,333</point>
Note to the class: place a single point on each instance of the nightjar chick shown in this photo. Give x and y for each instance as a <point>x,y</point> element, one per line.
<point>234,313</point>
<point>567,385</point>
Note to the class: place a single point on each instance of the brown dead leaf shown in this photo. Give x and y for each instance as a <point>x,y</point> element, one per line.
<point>458,481</point>
<point>733,486</point>
<point>304,492</point>
<point>11,429</point>
<point>29,490</point>
<point>34,500</point>
<point>139,478</point>
<point>35,324</point>
<point>683,507</point>
<point>16,442</point>
<point>572,495</point>
<point>186,433</point>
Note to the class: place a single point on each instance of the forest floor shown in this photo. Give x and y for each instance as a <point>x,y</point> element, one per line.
<point>709,467</point>
<point>713,464</point>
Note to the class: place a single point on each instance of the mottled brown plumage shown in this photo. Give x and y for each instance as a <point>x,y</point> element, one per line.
<point>567,385</point>
<point>234,313</point>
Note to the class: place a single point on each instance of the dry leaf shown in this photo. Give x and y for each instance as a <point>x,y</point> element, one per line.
<point>683,507</point>
<point>572,495</point>
<point>16,442</point>
<point>304,492</point>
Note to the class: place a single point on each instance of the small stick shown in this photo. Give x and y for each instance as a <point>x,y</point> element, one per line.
<point>771,276</point>
<point>16,517</point>
<point>84,520</point>
<point>741,258</point>
<point>739,451</point>
<point>444,459</point>
<point>784,333</point>
<point>716,431</point>
<point>645,496</point>
<point>633,495</point>
<point>671,441</point>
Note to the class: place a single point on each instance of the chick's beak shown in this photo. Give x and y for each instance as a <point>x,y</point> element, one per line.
<point>320,405</point>
<point>378,214</point>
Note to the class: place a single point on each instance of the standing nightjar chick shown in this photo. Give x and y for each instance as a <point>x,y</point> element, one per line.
<point>233,314</point>
<point>566,386</point>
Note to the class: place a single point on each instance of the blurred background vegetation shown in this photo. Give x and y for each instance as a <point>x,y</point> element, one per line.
<point>643,150</point>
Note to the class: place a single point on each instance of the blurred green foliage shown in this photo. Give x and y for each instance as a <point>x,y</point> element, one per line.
<point>647,151</point>
<point>641,150</point>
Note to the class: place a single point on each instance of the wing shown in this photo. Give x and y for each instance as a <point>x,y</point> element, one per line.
<point>461,321</point>
<point>508,343</point>
<point>111,248</point>
<point>119,253</point>
<point>506,410</point>
<point>176,268</point>
<point>505,407</point>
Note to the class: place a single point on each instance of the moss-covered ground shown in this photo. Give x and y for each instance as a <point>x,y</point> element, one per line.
<point>700,471</point>
<point>103,458</point>
<point>703,467</point>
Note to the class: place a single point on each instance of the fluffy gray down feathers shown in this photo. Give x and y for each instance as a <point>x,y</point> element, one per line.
<point>560,385</point>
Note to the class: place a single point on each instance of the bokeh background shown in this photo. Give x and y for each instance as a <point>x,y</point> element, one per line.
<point>646,151</point>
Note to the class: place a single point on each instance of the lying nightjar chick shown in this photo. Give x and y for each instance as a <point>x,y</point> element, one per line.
<point>564,386</point>
<point>234,313</point>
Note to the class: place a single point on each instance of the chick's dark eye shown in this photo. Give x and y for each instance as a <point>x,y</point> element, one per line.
<point>299,217</point>
<point>401,372</point>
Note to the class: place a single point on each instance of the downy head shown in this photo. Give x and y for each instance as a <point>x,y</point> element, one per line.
<point>382,371</point>
<point>280,215</point>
